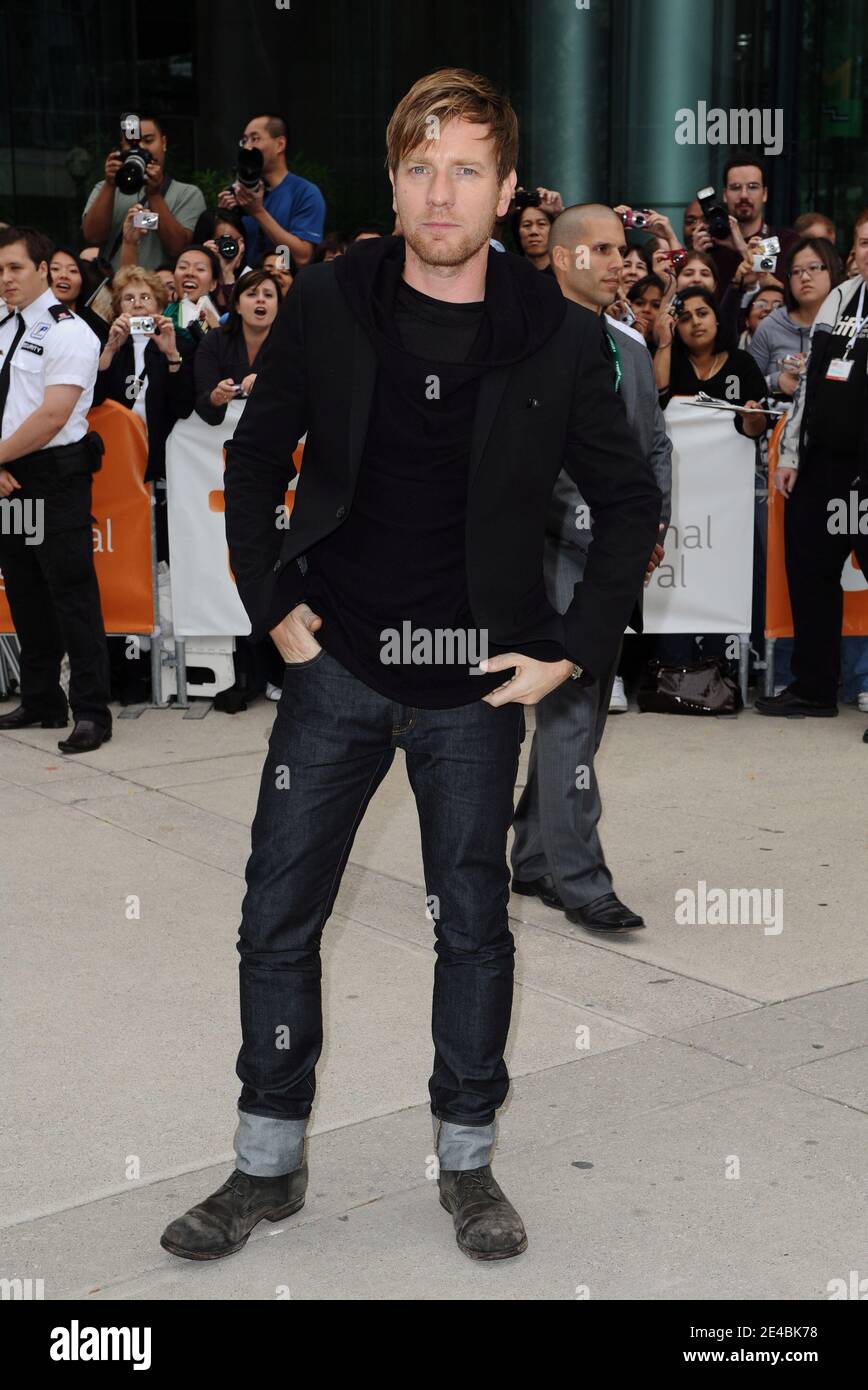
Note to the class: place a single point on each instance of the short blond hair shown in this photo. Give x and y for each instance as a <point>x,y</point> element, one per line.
<point>452,94</point>
<point>136,274</point>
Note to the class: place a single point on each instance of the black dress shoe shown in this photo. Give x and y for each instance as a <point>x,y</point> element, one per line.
<point>86,737</point>
<point>487,1225</point>
<point>537,888</point>
<point>22,718</point>
<point>793,706</point>
<point>605,914</point>
<point>222,1223</point>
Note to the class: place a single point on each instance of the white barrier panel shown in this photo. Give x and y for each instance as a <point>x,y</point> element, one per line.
<point>205,601</point>
<point>705,583</point>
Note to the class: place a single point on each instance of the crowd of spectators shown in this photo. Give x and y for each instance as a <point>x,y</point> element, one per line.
<point>182,298</point>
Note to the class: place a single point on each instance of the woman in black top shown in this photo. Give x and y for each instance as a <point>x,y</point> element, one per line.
<point>225,361</point>
<point>694,355</point>
<point>227,357</point>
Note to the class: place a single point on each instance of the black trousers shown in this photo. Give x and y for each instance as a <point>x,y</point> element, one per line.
<point>54,598</point>
<point>815,557</point>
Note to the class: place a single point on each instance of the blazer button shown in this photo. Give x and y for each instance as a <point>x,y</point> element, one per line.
<point>532,403</point>
<point>341,513</point>
<point>277,567</point>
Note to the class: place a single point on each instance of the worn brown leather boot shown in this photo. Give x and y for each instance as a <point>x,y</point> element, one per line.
<point>487,1225</point>
<point>222,1223</point>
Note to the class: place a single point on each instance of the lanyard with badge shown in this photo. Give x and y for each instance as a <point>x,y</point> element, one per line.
<point>839,368</point>
<point>616,357</point>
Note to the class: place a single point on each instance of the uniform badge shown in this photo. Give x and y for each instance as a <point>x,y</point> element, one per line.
<point>59,312</point>
<point>38,332</point>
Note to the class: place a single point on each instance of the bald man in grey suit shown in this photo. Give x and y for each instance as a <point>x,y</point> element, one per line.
<point>557,854</point>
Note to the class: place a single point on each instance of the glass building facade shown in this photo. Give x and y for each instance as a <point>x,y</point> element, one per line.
<point>597,85</point>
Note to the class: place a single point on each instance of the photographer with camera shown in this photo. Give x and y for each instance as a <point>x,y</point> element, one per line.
<point>530,221</point>
<point>225,370</point>
<point>279,208</point>
<point>224,364</point>
<point>730,225</point>
<point>147,368</point>
<point>221,230</point>
<point>135,174</point>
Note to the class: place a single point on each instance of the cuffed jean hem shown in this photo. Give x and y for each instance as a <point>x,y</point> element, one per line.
<point>461,1147</point>
<point>268,1148</point>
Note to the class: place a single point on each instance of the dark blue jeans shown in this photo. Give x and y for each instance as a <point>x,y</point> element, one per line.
<point>332,743</point>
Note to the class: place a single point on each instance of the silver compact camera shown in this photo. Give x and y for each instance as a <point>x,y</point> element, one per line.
<point>149,220</point>
<point>143,323</point>
<point>765,257</point>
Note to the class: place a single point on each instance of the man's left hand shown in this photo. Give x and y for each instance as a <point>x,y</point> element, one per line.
<point>656,559</point>
<point>533,680</point>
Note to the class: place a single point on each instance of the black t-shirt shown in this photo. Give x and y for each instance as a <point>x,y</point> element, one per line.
<point>737,381</point>
<point>836,419</point>
<point>397,564</point>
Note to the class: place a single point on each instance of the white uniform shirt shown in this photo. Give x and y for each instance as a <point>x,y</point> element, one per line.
<point>51,352</point>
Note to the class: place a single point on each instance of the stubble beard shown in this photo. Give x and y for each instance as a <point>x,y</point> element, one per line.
<point>433,251</point>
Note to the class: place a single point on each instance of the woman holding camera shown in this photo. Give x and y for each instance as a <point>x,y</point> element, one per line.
<point>225,363</point>
<point>225,369</point>
<point>781,342</point>
<point>145,367</point>
<point>221,230</point>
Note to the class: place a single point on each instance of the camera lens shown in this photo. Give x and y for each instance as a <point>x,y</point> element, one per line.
<point>131,175</point>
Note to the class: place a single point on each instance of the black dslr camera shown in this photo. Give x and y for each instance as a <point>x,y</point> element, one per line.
<point>716,216</point>
<point>227,247</point>
<point>131,176</point>
<point>525,199</point>
<point>248,166</point>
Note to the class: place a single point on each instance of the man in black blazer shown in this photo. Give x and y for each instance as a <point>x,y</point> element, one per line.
<point>441,387</point>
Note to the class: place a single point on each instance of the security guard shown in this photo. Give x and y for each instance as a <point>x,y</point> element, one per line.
<point>48,366</point>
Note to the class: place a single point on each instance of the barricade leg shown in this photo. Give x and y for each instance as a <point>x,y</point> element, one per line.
<point>769,684</point>
<point>743,663</point>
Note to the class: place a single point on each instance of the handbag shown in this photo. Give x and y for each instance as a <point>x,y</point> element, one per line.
<point>705,687</point>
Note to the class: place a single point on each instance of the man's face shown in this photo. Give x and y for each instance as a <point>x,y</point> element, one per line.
<point>693,218</point>
<point>20,280</point>
<point>447,194</point>
<point>745,193</point>
<point>860,251</point>
<point>152,142</point>
<point>592,269</point>
<point>256,136</point>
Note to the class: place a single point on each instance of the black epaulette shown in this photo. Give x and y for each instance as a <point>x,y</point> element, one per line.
<point>59,312</point>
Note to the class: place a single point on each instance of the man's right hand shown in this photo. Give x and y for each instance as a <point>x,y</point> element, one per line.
<point>112,164</point>
<point>293,636</point>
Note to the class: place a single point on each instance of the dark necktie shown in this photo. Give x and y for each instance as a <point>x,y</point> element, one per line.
<point>6,369</point>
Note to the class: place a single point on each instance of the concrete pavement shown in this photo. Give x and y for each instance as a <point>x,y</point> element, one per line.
<point>689,1109</point>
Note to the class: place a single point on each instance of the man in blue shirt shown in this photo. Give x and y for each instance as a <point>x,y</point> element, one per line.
<point>284,211</point>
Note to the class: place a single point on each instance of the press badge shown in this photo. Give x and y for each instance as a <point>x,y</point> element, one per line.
<point>839,369</point>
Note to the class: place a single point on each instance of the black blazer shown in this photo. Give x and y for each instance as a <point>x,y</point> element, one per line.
<point>555,408</point>
<point>169,397</point>
<point>218,356</point>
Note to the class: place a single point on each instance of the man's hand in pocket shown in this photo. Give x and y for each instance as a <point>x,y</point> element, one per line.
<point>293,636</point>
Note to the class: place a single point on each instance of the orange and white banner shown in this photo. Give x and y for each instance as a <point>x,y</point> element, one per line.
<point>205,601</point>
<point>122,530</point>
<point>779,616</point>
